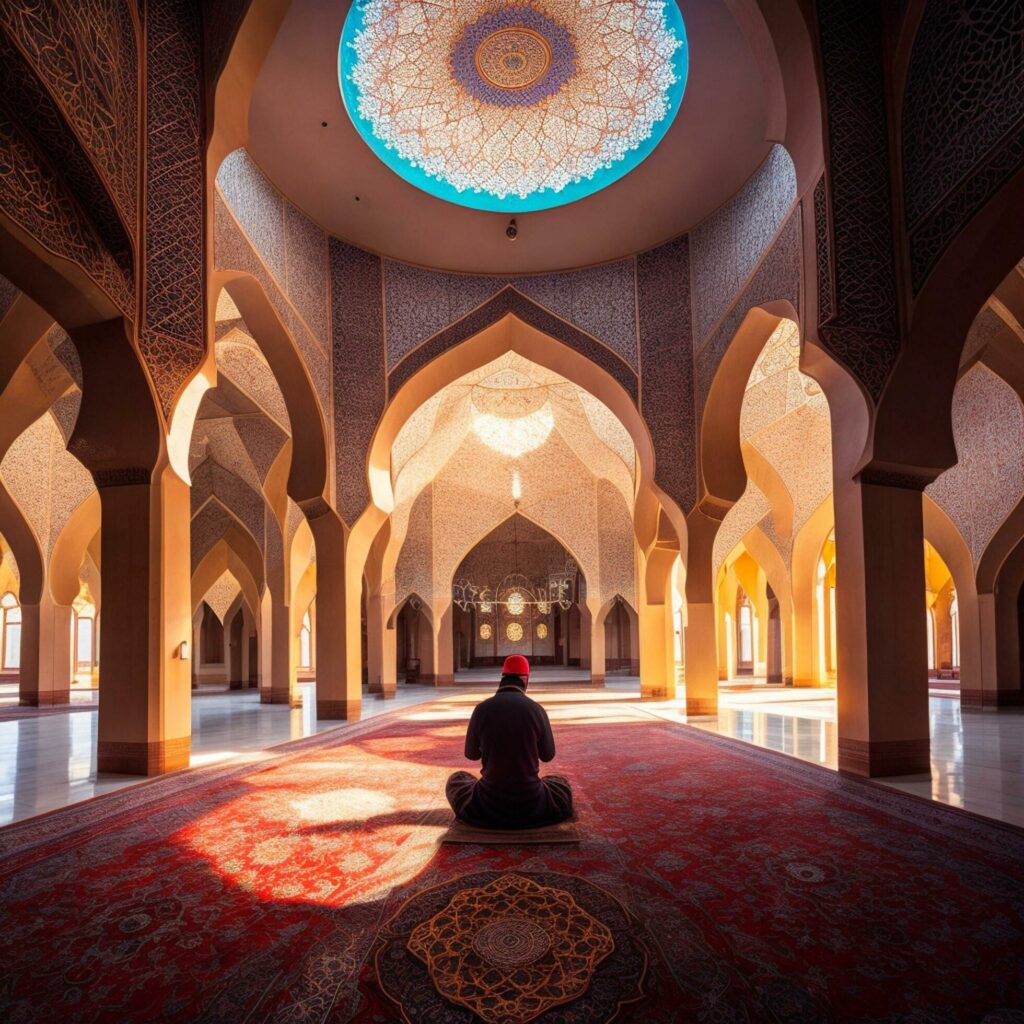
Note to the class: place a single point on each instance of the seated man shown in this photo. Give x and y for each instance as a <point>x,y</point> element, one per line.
<point>510,733</point>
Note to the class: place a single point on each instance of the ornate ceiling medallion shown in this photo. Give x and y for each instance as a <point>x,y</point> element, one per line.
<point>512,106</point>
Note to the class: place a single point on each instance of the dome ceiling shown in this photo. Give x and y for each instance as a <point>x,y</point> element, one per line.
<point>510,107</point>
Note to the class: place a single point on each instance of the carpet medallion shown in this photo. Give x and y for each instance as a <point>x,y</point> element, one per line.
<point>509,948</point>
<point>290,889</point>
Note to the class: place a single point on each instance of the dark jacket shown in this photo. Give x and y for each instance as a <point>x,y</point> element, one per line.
<point>511,734</point>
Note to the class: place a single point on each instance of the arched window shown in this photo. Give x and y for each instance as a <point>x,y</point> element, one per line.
<point>306,643</point>
<point>83,636</point>
<point>930,619</point>
<point>954,630</point>
<point>11,631</point>
<point>744,636</point>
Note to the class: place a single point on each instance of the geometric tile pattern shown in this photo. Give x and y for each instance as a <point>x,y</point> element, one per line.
<point>725,248</point>
<point>600,301</point>
<point>863,329</point>
<point>959,143</point>
<point>666,381</point>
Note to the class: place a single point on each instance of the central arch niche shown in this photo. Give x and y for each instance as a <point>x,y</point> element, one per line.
<point>543,622</point>
<point>509,438</point>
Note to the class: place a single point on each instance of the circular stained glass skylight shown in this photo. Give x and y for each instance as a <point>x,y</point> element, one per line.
<point>513,106</point>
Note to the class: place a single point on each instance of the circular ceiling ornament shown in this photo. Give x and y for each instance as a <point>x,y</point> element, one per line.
<point>514,632</point>
<point>485,631</point>
<point>542,631</point>
<point>516,603</point>
<point>517,106</point>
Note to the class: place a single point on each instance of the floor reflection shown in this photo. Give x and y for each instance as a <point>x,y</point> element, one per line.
<point>977,759</point>
<point>49,761</point>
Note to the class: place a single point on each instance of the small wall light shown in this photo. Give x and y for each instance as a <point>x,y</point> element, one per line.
<point>183,650</point>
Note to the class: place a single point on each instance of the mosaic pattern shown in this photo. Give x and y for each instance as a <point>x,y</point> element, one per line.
<point>748,512</point>
<point>208,526</point>
<point>172,335</point>
<point>211,479</point>
<point>985,485</point>
<point>510,301</point>
<point>221,595</point>
<point>45,480</point>
<point>863,332</point>
<point>666,352</point>
<point>959,144</point>
<point>32,105</point>
<point>36,200</point>
<point>598,300</point>
<point>778,277</point>
<point>242,362</point>
<point>359,373</point>
<point>235,251</point>
<point>725,249</point>
<point>514,107</point>
<point>86,54</point>
<point>513,57</point>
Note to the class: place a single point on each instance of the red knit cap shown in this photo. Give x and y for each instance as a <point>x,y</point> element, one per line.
<point>516,665</point>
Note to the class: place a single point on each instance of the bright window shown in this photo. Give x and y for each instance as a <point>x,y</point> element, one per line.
<point>306,643</point>
<point>11,631</point>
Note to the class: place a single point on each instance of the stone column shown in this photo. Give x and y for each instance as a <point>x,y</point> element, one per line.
<point>283,688</point>
<point>45,674</point>
<point>444,648</point>
<point>339,669</point>
<point>586,631</point>
<point>701,636</point>
<point>594,643</point>
<point>380,646</point>
<point>145,700</point>
<point>657,639</point>
<point>881,629</point>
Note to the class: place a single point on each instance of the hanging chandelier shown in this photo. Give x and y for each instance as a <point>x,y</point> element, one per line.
<point>516,593</point>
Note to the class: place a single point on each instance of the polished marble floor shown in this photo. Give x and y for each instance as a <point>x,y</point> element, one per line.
<point>977,758</point>
<point>49,761</point>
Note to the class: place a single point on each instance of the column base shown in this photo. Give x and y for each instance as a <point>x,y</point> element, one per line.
<point>652,694</point>
<point>155,757</point>
<point>384,694</point>
<point>444,680</point>
<point>235,684</point>
<point>978,700</point>
<point>339,710</point>
<point>44,699</point>
<point>273,696</point>
<point>702,706</point>
<point>597,679</point>
<point>884,757</point>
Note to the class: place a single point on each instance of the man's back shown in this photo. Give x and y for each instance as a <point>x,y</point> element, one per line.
<point>510,734</point>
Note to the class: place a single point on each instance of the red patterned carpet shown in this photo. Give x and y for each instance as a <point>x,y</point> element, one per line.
<point>715,882</point>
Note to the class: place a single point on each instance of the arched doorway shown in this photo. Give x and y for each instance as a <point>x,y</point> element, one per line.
<point>513,594</point>
<point>414,642</point>
<point>445,469</point>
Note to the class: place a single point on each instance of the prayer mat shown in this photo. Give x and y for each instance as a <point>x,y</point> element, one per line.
<point>564,832</point>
